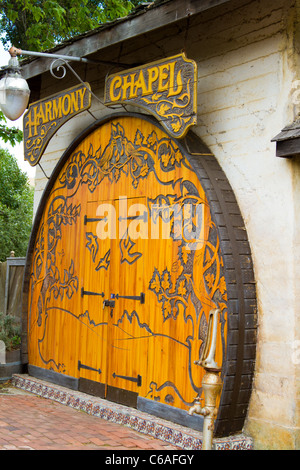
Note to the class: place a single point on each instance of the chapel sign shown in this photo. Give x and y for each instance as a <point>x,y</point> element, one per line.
<point>45,117</point>
<point>167,89</point>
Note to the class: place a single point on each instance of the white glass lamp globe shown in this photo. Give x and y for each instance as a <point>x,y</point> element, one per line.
<point>14,91</point>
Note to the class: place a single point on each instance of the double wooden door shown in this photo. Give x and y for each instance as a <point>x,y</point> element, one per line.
<point>126,267</point>
<point>114,291</point>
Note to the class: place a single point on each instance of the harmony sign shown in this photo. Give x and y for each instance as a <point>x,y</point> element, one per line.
<point>46,116</point>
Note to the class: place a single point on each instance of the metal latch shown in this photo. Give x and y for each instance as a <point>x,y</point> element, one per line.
<point>109,303</point>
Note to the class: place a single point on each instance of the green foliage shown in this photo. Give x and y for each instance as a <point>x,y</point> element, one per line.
<point>41,24</point>
<point>38,25</point>
<point>10,331</point>
<point>16,207</point>
<point>9,134</point>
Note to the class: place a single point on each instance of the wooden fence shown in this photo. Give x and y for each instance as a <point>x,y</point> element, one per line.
<point>11,280</point>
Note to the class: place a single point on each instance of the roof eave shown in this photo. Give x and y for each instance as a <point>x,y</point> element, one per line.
<point>121,30</point>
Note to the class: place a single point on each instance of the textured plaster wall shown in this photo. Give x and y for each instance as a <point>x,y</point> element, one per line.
<point>296,344</point>
<point>247,62</point>
<point>244,91</point>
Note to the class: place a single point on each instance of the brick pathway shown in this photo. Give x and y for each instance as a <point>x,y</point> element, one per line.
<point>29,422</point>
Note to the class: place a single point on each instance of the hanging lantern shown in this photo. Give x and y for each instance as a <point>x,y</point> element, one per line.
<point>14,91</point>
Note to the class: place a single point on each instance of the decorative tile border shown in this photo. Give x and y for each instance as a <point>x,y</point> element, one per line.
<point>166,431</point>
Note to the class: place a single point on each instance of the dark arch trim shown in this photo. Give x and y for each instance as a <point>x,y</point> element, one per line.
<point>241,337</point>
<point>238,367</point>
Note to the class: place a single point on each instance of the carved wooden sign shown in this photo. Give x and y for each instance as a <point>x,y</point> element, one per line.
<point>46,116</point>
<point>167,89</point>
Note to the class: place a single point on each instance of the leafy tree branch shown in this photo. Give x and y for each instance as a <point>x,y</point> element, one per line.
<point>9,134</point>
<point>16,207</point>
<point>41,24</point>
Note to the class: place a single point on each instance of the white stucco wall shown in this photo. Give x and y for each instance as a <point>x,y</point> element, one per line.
<point>245,84</point>
<point>246,67</point>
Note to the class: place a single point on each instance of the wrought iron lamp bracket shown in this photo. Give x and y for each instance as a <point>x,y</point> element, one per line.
<point>64,71</point>
<point>65,63</point>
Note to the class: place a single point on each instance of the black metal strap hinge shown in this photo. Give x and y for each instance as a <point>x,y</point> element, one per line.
<point>93,219</point>
<point>140,297</point>
<point>143,217</point>
<point>83,366</point>
<point>86,292</point>
<point>137,379</point>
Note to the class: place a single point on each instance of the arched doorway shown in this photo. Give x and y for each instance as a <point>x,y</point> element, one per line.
<point>133,245</point>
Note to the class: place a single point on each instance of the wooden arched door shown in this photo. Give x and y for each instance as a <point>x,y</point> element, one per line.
<point>125,266</point>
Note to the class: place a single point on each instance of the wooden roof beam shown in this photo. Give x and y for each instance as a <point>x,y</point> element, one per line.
<point>155,17</point>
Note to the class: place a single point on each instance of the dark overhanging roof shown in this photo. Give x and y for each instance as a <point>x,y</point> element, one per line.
<point>146,18</point>
<point>288,141</point>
